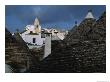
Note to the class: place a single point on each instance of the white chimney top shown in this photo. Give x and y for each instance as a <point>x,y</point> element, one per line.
<point>89,15</point>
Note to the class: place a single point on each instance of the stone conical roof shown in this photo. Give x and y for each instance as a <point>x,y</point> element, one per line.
<point>20,40</point>
<point>99,29</point>
<point>80,32</point>
<point>86,56</point>
<point>17,54</point>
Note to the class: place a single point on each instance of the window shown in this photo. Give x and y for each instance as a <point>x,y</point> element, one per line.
<point>30,32</point>
<point>34,40</point>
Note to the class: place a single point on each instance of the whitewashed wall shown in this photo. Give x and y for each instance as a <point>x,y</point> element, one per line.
<point>29,38</point>
<point>47,50</point>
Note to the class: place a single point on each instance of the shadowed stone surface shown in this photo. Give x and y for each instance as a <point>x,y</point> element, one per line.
<point>83,50</point>
<point>17,54</point>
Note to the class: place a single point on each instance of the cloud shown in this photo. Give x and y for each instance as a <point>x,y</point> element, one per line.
<point>49,15</point>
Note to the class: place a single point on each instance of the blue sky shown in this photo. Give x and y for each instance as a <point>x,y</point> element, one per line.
<point>50,16</point>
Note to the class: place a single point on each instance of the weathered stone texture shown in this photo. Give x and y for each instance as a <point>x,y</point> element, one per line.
<point>83,50</point>
<point>17,53</point>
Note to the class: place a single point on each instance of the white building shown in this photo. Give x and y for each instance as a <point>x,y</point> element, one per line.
<point>47,49</point>
<point>33,35</point>
<point>56,34</point>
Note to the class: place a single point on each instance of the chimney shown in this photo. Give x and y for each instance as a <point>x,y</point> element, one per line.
<point>47,49</point>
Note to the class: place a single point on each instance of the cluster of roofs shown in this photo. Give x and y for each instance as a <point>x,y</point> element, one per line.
<point>34,35</point>
<point>87,55</point>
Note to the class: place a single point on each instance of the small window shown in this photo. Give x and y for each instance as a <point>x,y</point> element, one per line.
<point>30,32</point>
<point>43,42</point>
<point>34,40</point>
